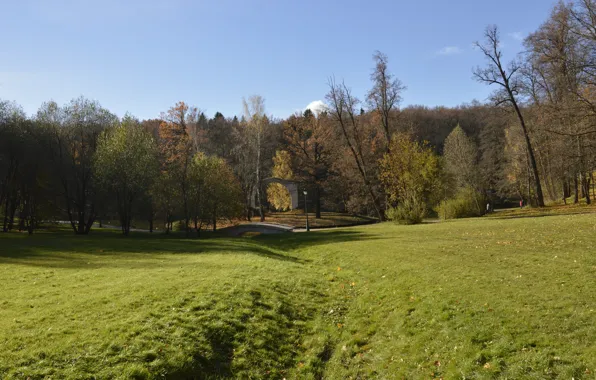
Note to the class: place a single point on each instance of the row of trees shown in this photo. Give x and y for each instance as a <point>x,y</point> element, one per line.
<point>82,164</point>
<point>550,88</point>
<point>533,140</point>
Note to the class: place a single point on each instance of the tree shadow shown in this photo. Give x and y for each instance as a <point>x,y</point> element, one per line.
<point>110,249</point>
<point>294,241</point>
<point>536,215</point>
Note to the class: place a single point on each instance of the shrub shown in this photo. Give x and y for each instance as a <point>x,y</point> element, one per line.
<point>409,211</point>
<point>412,176</point>
<point>467,203</point>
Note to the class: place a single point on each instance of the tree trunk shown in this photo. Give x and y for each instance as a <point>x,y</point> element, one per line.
<point>5,225</point>
<point>22,218</point>
<point>576,188</point>
<point>214,218</point>
<point>592,181</point>
<point>537,185</point>
<point>586,189</point>
<point>259,199</point>
<point>362,170</point>
<point>317,203</point>
<point>81,224</point>
<point>13,210</point>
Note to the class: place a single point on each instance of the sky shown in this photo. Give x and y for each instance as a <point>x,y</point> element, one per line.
<point>142,56</point>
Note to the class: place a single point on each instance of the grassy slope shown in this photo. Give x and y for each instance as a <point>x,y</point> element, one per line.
<point>508,297</point>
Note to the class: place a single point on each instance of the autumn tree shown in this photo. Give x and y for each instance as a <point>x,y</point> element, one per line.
<point>385,96</point>
<point>73,132</point>
<point>257,122</point>
<point>307,138</point>
<point>220,136</point>
<point>242,162</point>
<point>583,24</point>
<point>176,149</point>
<point>126,165</point>
<point>556,62</point>
<point>346,115</point>
<point>12,137</point>
<point>460,154</point>
<point>214,190</point>
<point>277,194</point>
<point>225,201</point>
<point>509,82</point>
<point>411,173</point>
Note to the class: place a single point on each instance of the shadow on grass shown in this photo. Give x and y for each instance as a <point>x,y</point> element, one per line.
<point>538,214</point>
<point>110,249</point>
<point>293,241</point>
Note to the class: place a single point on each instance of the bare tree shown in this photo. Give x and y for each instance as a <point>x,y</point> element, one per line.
<point>343,109</point>
<point>254,112</point>
<point>385,96</point>
<point>508,80</point>
<point>553,78</point>
<point>583,14</point>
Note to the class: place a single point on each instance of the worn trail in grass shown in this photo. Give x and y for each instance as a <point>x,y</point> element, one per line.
<point>480,298</point>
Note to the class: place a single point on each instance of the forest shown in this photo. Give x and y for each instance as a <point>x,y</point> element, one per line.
<point>363,153</point>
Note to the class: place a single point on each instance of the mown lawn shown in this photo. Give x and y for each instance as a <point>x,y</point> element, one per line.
<point>486,298</point>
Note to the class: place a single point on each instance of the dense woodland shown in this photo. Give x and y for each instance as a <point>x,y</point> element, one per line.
<point>365,154</point>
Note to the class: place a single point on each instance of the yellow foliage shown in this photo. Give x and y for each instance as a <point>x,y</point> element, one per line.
<point>277,194</point>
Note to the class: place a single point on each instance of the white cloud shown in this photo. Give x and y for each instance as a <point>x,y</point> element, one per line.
<point>316,106</point>
<point>449,50</point>
<point>519,36</point>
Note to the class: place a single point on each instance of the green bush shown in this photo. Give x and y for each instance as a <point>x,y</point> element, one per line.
<point>467,203</point>
<point>409,211</point>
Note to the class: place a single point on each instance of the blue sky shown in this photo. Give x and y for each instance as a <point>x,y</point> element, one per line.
<point>143,56</point>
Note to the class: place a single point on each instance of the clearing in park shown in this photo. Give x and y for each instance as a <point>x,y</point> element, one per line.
<point>506,297</point>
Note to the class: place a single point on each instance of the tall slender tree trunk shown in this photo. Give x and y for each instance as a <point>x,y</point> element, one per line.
<point>533,166</point>
<point>586,188</point>
<point>13,211</point>
<point>592,181</point>
<point>317,202</point>
<point>259,199</point>
<point>5,225</point>
<point>215,218</point>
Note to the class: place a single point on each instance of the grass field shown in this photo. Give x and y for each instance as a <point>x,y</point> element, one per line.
<point>500,297</point>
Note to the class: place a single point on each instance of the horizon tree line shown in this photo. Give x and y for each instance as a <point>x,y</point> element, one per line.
<point>532,140</point>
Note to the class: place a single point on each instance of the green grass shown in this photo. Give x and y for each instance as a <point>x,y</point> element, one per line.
<point>498,297</point>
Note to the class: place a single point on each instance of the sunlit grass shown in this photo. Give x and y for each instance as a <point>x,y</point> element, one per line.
<point>480,298</point>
